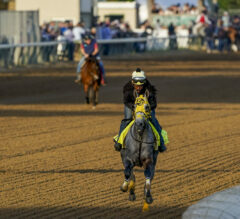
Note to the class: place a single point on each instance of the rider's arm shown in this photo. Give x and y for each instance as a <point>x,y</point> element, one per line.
<point>128,98</point>
<point>83,51</point>
<point>152,101</point>
<point>95,49</point>
<point>128,102</point>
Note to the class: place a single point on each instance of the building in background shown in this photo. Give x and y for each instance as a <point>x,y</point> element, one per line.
<point>60,10</point>
<point>7,5</point>
<point>124,11</point>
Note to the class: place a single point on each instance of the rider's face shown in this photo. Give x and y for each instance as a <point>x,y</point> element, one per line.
<point>88,41</point>
<point>138,88</point>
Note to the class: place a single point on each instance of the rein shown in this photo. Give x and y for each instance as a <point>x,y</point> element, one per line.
<point>140,141</point>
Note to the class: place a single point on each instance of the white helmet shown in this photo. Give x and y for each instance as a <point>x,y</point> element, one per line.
<point>138,77</point>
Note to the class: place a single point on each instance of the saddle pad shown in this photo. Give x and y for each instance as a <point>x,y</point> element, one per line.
<point>123,135</point>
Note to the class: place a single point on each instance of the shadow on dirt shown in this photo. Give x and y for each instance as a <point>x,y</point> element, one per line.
<point>62,90</point>
<point>92,212</point>
<point>43,113</point>
<point>103,171</point>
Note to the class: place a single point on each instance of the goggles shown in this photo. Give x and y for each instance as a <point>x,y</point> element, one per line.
<point>138,81</point>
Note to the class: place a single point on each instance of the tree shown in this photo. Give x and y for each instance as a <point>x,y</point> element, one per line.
<point>229,4</point>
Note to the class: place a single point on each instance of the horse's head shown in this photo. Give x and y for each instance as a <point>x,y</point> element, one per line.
<point>91,69</point>
<point>142,113</point>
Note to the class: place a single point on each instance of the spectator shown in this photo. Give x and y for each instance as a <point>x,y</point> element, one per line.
<point>209,31</point>
<point>78,31</point>
<point>68,34</point>
<point>106,34</point>
<point>93,32</point>
<point>221,35</point>
<point>61,47</point>
<point>215,7</point>
<point>201,21</point>
<point>157,29</point>
<point>226,20</point>
<point>172,36</point>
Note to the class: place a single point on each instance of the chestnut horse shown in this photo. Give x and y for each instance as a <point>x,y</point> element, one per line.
<point>90,73</point>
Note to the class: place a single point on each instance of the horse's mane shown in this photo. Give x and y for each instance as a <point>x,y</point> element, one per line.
<point>88,62</point>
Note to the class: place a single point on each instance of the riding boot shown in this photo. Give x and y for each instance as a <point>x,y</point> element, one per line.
<point>78,80</point>
<point>123,125</point>
<point>161,147</point>
<point>103,78</point>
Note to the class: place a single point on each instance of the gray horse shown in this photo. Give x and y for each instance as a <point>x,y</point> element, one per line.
<point>139,151</point>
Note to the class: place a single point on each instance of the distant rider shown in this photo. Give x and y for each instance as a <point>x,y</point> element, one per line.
<point>89,47</point>
<point>140,85</point>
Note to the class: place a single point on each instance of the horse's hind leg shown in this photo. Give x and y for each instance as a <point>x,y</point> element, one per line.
<point>96,96</point>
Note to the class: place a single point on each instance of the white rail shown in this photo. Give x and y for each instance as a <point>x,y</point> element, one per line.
<point>110,41</point>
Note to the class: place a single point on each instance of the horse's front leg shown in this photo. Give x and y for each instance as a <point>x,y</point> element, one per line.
<point>128,167</point>
<point>131,187</point>
<point>96,93</point>
<point>96,96</point>
<point>155,155</point>
<point>148,167</point>
<point>86,93</point>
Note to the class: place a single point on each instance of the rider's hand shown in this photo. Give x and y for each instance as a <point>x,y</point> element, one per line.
<point>86,55</point>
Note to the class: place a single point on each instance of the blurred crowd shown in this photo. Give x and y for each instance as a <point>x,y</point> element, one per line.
<point>175,9</point>
<point>219,33</point>
<point>103,30</point>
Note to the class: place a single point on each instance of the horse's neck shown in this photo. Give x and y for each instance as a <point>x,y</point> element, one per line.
<point>87,67</point>
<point>147,133</point>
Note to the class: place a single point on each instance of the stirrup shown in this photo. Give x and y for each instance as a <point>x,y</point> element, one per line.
<point>78,80</point>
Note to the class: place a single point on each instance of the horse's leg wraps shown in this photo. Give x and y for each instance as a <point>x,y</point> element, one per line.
<point>147,173</point>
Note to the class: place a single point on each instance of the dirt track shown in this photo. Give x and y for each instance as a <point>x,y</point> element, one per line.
<point>56,154</point>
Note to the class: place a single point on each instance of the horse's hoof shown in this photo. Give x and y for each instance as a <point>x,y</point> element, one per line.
<point>145,207</point>
<point>131,186</point>
<point>132,197</point>
<point>149,198</point>
<point>124,187</point>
